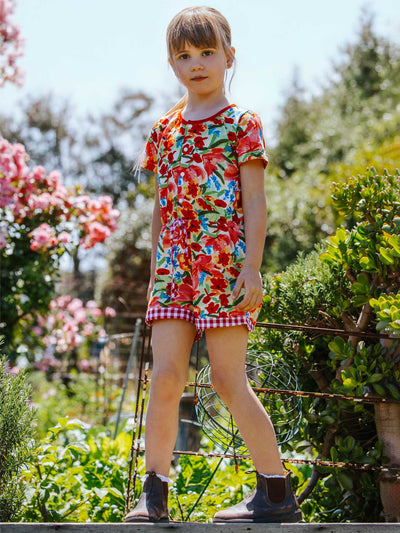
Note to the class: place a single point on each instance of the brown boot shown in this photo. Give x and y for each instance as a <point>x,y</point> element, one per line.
<point>272,501</point>
<point>153,502</point>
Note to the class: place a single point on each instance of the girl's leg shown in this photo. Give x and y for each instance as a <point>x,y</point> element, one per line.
<point>227,351</point>
<point>171,342</point>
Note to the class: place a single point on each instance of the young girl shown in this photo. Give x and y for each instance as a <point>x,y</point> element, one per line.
<point>208,233</point>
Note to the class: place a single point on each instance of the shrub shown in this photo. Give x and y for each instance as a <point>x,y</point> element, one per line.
<point>17,442</point>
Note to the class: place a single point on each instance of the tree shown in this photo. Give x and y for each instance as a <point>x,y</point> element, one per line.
<point>351,124</point>
<point>294,130</point>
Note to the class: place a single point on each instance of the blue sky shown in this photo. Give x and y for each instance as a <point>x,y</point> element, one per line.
<point>87,50</point>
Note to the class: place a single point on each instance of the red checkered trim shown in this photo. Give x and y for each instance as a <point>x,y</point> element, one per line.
<point>159,313</point>
<point>205,323</point>
<point>180,313</point>
<point>201,323</point>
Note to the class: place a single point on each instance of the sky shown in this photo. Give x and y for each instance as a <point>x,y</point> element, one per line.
<point>88,50</point>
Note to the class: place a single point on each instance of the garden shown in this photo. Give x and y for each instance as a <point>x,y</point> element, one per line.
<point>70,371</point>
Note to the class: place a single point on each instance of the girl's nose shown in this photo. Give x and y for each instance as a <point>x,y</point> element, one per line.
<point>197,66</point>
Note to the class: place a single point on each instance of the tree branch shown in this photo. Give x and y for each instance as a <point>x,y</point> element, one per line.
<point>316,475</point>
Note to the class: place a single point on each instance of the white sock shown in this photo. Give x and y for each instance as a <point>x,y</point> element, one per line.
<point>163,478</point>
<point>277,476</point>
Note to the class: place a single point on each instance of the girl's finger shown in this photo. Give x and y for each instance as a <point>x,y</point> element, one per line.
<point>245,304</point>
<point>251,303</point>
<point>237,288</point>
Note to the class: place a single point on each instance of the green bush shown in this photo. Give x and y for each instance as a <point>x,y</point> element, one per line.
<point>352,283</point>
<point>17,442</point>
<point>79,475</point>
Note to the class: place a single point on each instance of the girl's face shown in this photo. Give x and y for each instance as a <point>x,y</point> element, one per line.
<point>201,70</point>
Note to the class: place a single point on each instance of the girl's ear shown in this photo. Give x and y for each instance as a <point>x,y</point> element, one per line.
<point>230,58</point>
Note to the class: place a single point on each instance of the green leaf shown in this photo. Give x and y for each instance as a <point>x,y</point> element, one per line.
<point>367,263</point>
<point>350,383</point>
<point>386,256</point>
<point>379,389</point>
<point>334,454</point>
<point>345,480</point>
<point>360,299</point>
<point>115,492</point>
<point>394,240</point>
<point>375,377</point>
<point>100,493</point>
<point>394,391</point>
<point>80,447</point>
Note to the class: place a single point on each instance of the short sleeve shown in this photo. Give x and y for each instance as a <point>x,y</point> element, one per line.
<point>148,159</point>
<point>250,139</point>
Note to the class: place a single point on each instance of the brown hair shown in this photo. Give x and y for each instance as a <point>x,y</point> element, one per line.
<point>201,27</point>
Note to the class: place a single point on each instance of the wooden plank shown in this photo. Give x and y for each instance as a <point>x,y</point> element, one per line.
<point>198,528</point>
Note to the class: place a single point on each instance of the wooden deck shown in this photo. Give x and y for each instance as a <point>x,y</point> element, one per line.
<point>198,528</point>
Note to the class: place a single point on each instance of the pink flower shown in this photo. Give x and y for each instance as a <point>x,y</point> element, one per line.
<point>84,365</point>
<point>70,327</point>
<point>43,237</point>
<point>64,237</point>
<point>11,45</point>
<point>109,312</point>
<point>80,316</point>
<point>74,305</point>
<point>96,232</point>
<point>43,201</point>
<point>62,301</point>
<point>88,329</point>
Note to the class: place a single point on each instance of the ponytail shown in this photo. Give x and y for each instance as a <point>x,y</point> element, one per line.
<point>179,105</point>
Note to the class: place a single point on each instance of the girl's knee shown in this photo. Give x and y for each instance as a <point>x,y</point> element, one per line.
<point>168,382</point>
<point>226,385</point>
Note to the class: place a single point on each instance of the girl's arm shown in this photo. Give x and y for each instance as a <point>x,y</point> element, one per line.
<point>155,233</point>
<point>255,227</point>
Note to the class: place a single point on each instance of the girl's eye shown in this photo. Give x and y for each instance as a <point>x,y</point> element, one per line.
<point>183,56</point>
<point>208,53</point>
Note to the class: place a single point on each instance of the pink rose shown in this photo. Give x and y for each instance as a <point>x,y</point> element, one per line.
<point>110,312</point>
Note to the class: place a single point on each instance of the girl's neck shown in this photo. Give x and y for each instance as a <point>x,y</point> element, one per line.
<point>200,108</point>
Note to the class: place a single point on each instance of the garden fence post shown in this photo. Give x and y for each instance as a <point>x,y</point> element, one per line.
<point>128,369</point>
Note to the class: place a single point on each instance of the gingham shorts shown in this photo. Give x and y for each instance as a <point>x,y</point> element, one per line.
<point>154,313</point>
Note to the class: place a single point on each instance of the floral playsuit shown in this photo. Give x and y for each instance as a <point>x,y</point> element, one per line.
<point>201,247</point>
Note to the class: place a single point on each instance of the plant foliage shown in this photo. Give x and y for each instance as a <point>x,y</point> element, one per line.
<point>17,442</point>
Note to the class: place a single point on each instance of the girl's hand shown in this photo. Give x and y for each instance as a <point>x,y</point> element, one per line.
<point>250,280</point>
<point>150,289</point>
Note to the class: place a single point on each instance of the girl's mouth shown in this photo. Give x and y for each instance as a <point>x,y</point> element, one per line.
<point>199,78</point>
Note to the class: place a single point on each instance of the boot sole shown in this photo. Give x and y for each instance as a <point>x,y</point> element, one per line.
<point>278,519</point>
<point>145,520</point>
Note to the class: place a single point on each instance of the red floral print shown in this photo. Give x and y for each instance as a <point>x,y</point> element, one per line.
<point>201,248</point>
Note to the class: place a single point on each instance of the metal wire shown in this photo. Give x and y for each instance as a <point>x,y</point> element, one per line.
<point>262,368</point>
<point>199,386</point>
<point>312,462</point>
<point>308,394</point>
<point>322,331</point>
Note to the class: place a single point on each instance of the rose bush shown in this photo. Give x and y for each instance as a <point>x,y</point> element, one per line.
<point>67,325</point>
<point>11,45</point>
<point>41,219</point>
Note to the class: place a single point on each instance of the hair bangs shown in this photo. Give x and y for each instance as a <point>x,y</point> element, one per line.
<point>196,29</point>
